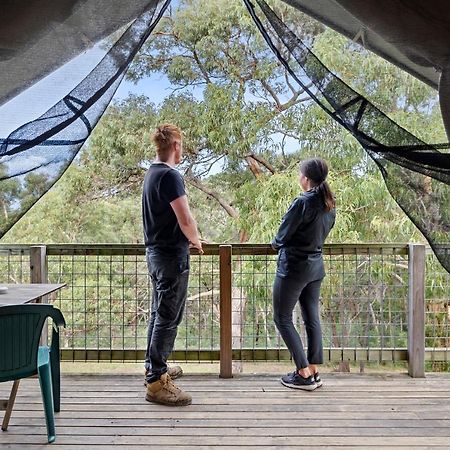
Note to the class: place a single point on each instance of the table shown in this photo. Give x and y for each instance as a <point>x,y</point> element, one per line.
<point>19,294</point>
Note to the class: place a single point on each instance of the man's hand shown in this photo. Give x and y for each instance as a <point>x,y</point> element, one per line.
<point>198,245</point>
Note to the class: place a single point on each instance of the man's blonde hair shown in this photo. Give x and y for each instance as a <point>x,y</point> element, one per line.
<point>164,137</point>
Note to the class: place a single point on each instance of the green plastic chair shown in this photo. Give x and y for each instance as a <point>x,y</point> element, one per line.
<point>21,356</point>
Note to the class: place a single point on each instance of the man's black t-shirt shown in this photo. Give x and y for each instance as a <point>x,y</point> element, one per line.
<point>162,185</point>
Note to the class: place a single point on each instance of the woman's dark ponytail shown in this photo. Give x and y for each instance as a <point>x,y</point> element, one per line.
<point>316,170</point>
<point>327,195</point>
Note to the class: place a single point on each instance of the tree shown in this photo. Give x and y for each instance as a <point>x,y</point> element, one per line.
<point>246,127</point>
<point>8,192</point>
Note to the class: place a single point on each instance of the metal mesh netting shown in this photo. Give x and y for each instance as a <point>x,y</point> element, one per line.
<point>416,174</point>
<point>35,155</point>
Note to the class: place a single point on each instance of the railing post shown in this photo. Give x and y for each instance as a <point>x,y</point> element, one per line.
<point>39,274</point>
<point>38,264</point>
<point>416,311</point>
<point>226,351</point>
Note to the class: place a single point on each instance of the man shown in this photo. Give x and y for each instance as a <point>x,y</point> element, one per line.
<point>169,230</point>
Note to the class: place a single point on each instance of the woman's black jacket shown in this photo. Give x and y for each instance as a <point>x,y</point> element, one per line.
<point>301,235</point>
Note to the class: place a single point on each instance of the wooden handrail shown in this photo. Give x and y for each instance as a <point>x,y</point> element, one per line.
<point>209,249</point>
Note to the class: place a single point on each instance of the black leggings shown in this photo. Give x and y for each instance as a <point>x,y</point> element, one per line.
<point>286,293</point>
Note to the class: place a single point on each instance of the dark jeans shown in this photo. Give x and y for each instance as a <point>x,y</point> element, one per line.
<point>287,291</point>
<point>169,275</point>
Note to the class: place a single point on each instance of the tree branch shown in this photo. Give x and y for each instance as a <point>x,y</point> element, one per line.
<point>272,93</point>
<point>200,66</point>
<point>215,195</point>
<point>286,77</point>
<point>253,166</point>
<point>262,161</point>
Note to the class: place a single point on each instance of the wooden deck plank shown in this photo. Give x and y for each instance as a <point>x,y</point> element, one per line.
<point>250,422</point>
<point>151,431</point>
<point>238,441</point>
<point>349,412</point>
<point>56,446</point>
<point>335,404</point>
<point>277,409</point>
<point>231,415</point>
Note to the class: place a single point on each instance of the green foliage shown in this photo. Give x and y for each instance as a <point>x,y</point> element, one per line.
<point>271,197</point>
<point>232,99</point>
<point>365,213</point>
<point>64,215</point>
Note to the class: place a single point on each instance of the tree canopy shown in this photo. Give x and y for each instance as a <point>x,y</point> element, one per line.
<point>246,126</point>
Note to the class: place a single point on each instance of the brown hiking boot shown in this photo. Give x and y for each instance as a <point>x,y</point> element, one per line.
<point>173,371</point>
<point>165,392</point>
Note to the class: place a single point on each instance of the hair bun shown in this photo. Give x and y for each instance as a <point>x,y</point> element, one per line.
<point>161,131</point>
<point>165,135</point>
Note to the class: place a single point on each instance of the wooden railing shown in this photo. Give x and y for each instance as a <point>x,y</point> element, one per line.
<point>382,285</point>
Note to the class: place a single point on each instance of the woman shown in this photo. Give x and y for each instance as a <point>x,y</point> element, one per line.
<point>300,271</point>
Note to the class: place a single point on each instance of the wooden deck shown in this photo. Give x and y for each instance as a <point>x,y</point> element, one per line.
<point>250,412</point>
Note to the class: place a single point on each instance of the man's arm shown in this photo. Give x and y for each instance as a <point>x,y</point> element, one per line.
<point>187,223</point>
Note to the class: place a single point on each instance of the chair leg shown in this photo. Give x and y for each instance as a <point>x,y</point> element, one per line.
<point>56,388</point>
<point>9,407</point>
<point>56,375</point>
<point>45,381</point>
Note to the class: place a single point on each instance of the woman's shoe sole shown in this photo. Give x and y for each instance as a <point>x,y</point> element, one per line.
<point>310,387</point>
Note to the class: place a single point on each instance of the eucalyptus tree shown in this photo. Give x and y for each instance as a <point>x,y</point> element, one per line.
<point>246,126</point>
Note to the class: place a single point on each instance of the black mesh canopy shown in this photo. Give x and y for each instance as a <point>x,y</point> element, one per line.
<point>38,36</point>
<point>416,174</point>
<point>35,155</point>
